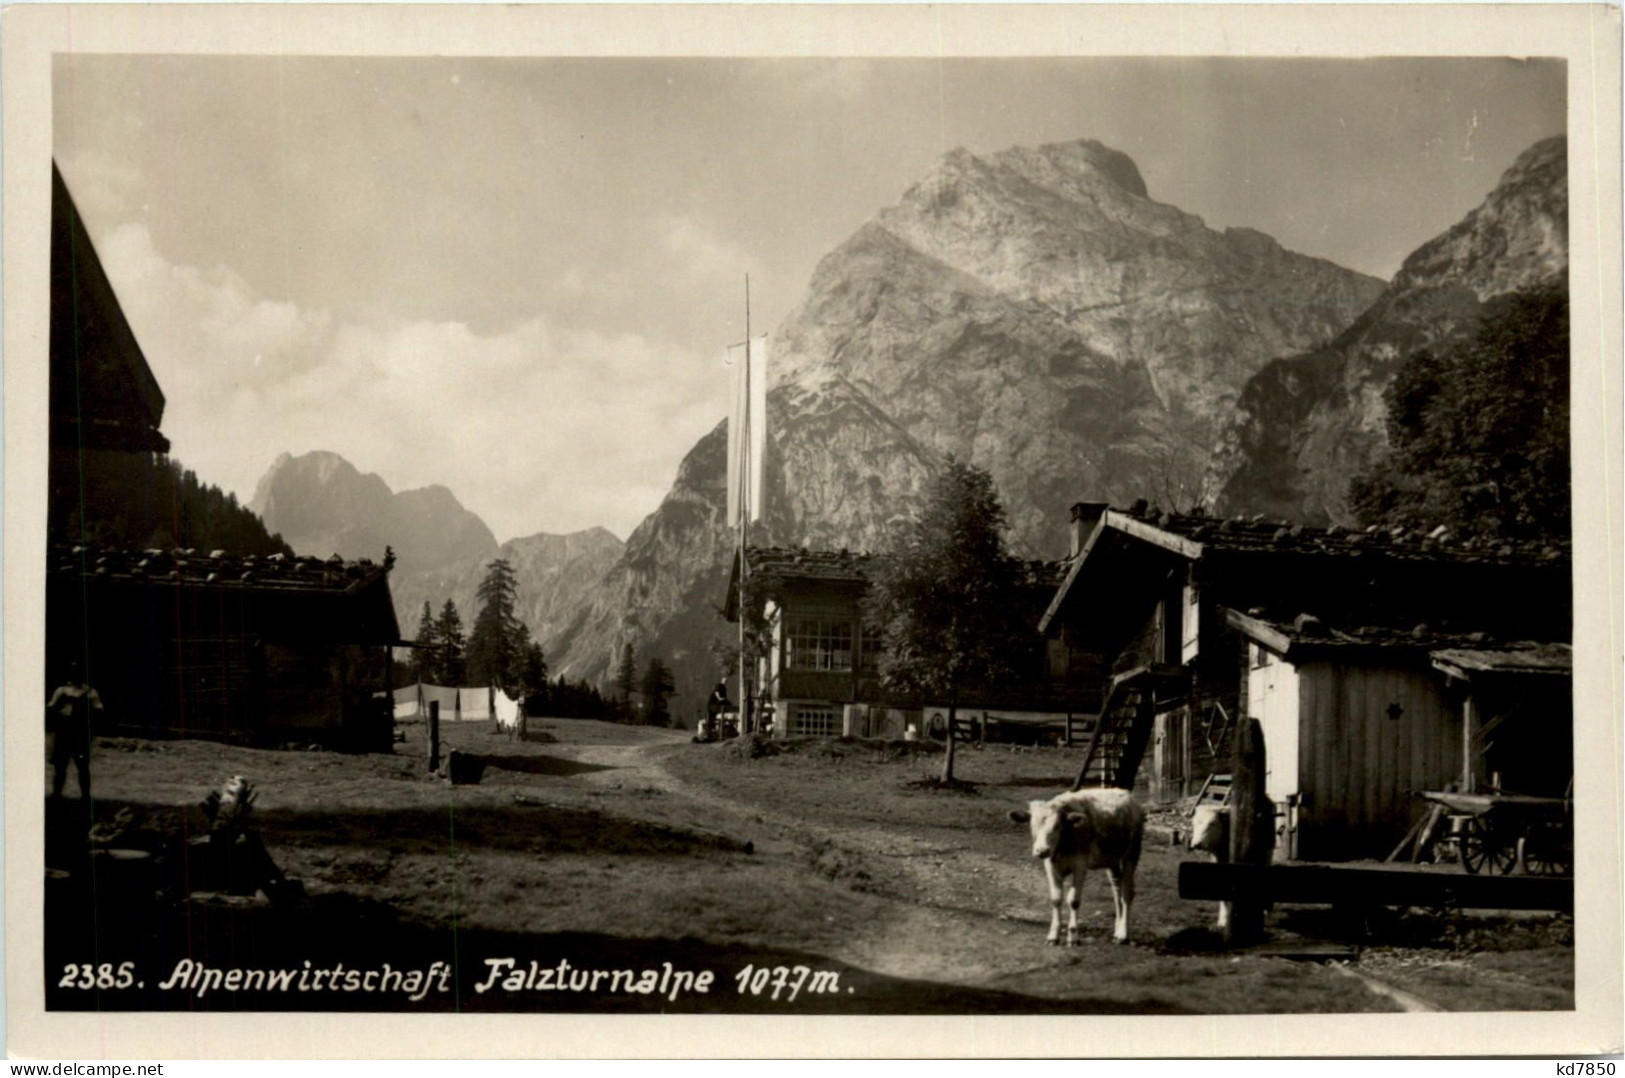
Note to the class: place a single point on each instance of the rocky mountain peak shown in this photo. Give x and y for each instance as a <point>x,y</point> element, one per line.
<point>322,505</point>
<point>1516,238</point>
<point>1030,310</point>
<point>1064,164</point>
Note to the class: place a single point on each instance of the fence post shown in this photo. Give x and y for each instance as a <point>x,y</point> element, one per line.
<point>1250,842</point>
<point>434,735</point>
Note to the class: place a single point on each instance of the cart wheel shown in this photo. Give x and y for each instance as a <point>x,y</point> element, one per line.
<point>1548,851</point>
<point>1483,850</point>
<point>1503,853</point>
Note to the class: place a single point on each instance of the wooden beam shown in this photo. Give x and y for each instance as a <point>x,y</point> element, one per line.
<point>1327,885</point>
<point>1470,756</point>
<point>1152,534</point>
<point>1250,843</point>
<point>1260,632</point>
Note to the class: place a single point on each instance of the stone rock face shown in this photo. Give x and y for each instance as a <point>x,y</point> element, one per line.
<point>1310,422</point>
<point>1033,311</point>
<point>324,505</point>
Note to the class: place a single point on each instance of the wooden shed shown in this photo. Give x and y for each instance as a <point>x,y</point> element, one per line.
<point>251,650</point>
<point>1358,719</point>
<point>1145,587</point>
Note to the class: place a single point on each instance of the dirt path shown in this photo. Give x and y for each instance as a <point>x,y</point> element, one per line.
<point>961,915</point>
<point>912,944</point>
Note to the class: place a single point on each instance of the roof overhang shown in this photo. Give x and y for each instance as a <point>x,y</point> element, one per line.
<point>1098,547</point>
<point>1521,660</point>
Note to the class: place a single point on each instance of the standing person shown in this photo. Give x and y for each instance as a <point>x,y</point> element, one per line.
<point>719,701</point>
<point>68,720</point>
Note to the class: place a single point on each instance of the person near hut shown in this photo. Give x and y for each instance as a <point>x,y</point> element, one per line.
<point>69,716</point>
<point>719,701</point>
<point>716,707</point>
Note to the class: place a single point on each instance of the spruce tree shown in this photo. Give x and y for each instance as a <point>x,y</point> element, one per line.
<point>494,646</point>
<point>626,678</point>
<point>424,660</point>
<point>449,635</point>
<point>533,678</point>
<point>658,685</point>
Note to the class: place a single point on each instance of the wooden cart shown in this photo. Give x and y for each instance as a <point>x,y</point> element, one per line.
<point>1495,833</point>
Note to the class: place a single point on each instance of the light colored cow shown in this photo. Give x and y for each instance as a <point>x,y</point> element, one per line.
<point>1081,830</point>
<point>1210,833</point>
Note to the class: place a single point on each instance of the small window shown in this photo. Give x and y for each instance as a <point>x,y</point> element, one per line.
<point>815,721</point>
<point>1261,656</point>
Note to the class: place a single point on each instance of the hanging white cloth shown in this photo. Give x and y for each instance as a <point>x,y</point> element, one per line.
<point>507,711</point>
<point>474,703</point>
<point>443,695</point>
<point>409,701</point>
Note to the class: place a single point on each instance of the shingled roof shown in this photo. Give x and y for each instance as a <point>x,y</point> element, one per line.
<point>1194,535</point>
<point>808,564</point>
<point>1296,636</point>
<point>1306,637</point>
<point>1518,658</point>
<point>278,598</point>
<point>1263,547</point>
<point>219,568</point>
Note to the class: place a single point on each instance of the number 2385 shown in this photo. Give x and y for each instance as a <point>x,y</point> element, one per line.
<point>85,975</point>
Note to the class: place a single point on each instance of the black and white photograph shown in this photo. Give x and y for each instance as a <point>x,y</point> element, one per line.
<point>820,530</point>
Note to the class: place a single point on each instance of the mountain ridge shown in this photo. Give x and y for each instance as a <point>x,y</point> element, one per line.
<point>1033,311</point>
<point>1307,423</point>
<point>326,505</point>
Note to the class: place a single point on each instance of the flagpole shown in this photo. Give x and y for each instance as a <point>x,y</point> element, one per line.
<point>744,515</point>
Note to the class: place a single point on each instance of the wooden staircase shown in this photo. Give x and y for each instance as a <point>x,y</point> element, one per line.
<point>1123,728</point>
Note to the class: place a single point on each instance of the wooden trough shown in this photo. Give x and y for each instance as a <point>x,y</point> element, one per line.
<point>1328,885</point>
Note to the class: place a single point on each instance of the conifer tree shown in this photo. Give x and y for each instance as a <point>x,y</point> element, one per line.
<point>941,596</point>
<point>423,661</point>
<point>497,640</point>
<point>626,677</point>
<point>449,635</point>
<point>658,685</point>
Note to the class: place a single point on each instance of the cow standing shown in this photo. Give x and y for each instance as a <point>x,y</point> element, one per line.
<point>1081,830</point>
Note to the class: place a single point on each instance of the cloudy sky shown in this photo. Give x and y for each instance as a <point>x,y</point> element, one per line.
<point>516,277</point>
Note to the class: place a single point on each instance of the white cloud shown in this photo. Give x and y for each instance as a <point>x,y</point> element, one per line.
<point>535,428</point>
<point>694,246</point>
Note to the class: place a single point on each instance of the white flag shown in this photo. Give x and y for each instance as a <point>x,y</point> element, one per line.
<point>747,429</point>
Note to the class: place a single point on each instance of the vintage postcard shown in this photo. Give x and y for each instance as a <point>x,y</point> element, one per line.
<point>620,531</point>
